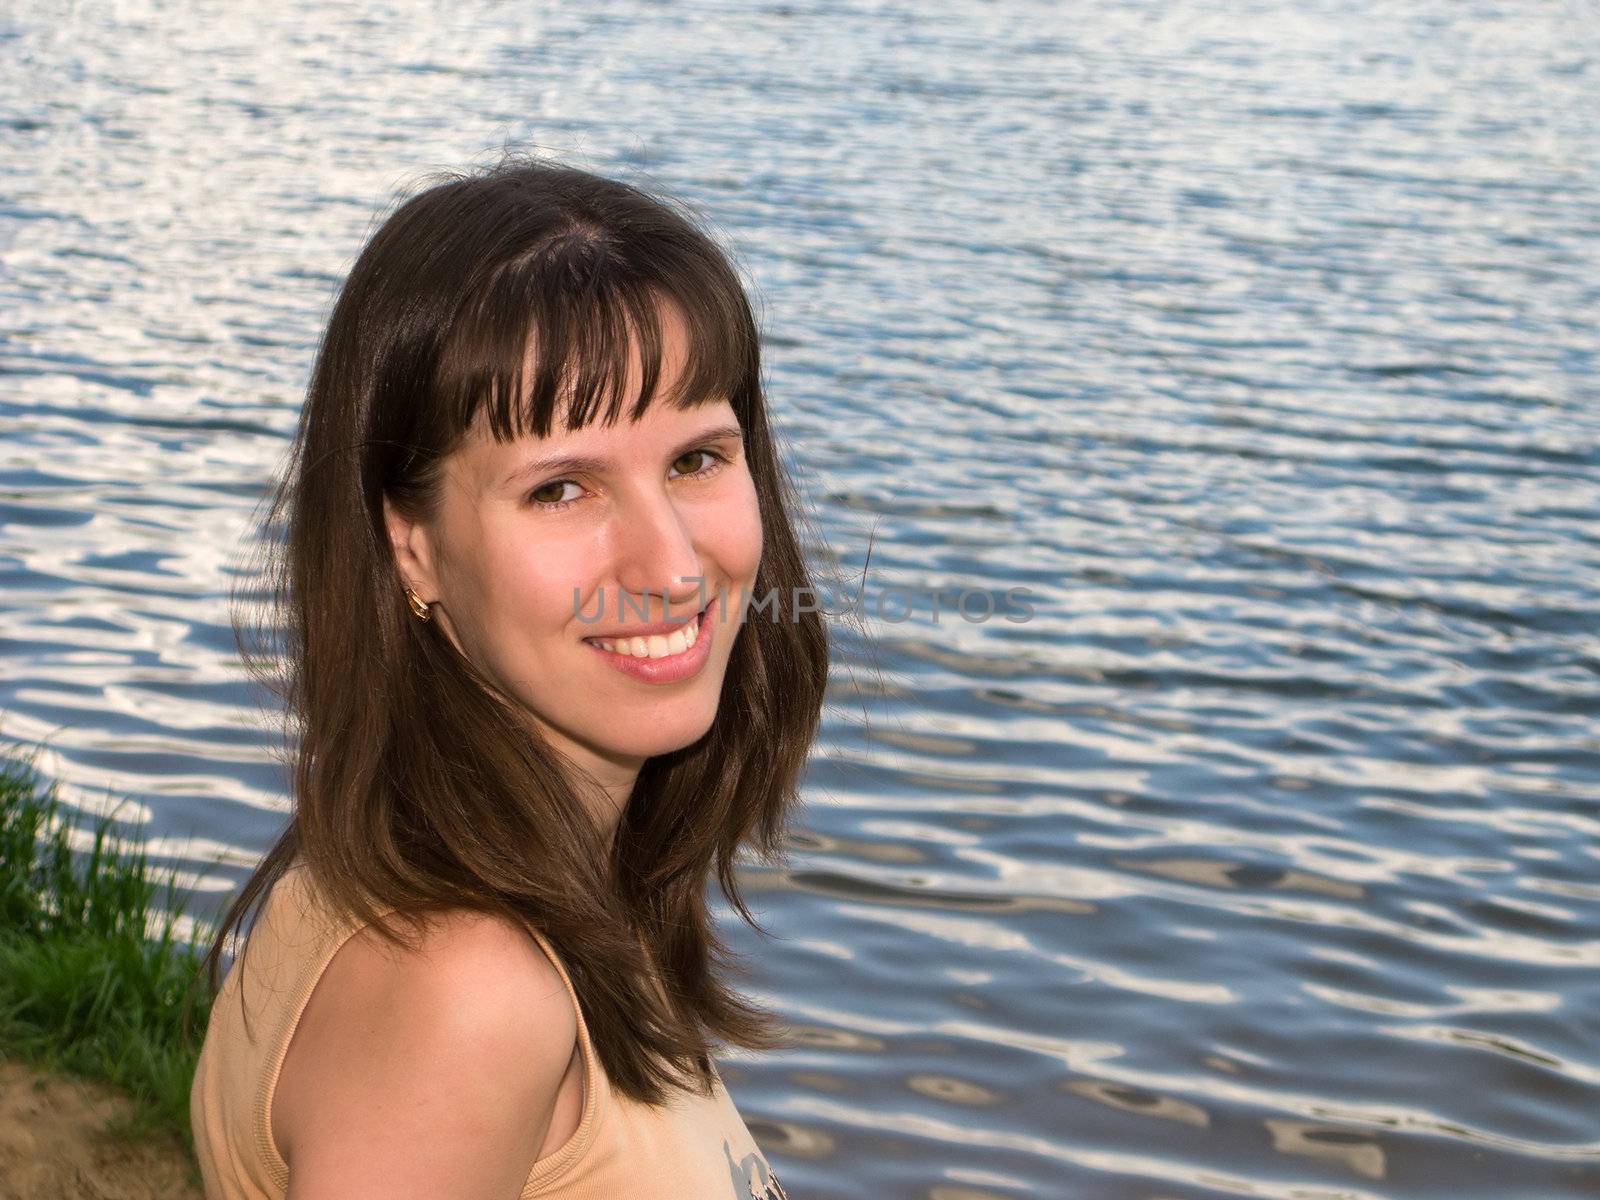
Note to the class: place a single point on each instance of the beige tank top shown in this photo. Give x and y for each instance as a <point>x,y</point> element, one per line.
<point>694,1148</point>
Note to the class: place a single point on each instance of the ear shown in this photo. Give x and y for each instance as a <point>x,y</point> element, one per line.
<point>413,552</point>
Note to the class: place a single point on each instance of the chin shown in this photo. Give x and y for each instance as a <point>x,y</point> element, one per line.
<point>646,730</point>
<point>660,737</point>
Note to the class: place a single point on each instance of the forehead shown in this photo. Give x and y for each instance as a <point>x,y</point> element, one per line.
<point>587,333</point>
<point>664,427</point>
<point>610,372</point>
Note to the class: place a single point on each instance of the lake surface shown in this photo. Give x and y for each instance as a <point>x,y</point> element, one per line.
<point>1259,345</point>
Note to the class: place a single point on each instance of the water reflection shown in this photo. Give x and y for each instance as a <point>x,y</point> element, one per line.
<point>1259,345</point>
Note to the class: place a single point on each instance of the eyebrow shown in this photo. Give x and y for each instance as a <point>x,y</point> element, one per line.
<point>588,465</point>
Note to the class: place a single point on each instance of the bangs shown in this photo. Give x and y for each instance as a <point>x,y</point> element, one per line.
<point>552,332</point>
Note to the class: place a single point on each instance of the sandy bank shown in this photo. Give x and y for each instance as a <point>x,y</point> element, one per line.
<point>54,1144</point>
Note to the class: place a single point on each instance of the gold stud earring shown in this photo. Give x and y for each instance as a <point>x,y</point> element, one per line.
<point>418,605</point>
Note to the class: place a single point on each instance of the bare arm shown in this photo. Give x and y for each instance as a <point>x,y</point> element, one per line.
<point>430,1074</point>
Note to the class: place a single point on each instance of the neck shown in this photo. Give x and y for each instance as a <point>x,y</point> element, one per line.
<point>604,781</point>
<point>605,787</point>
<point>613,802</point>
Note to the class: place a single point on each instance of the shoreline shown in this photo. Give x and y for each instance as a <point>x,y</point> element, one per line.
<point>60,1139</point>
<point>95,1059</point>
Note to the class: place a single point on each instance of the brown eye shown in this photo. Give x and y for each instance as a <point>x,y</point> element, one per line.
<point>555,500</point>
<point>715,460</point>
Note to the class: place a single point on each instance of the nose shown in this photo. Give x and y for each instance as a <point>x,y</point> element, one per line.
<point>656,555</point>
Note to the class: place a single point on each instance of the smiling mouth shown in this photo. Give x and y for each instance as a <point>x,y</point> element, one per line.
<point>656,645</point>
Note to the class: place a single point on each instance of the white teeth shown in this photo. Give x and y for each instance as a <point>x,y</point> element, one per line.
<point>656,645</point>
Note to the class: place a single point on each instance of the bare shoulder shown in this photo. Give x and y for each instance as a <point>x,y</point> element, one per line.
<point>426,1072</point>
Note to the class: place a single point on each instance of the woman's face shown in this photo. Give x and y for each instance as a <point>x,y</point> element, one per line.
<point>528,562</point>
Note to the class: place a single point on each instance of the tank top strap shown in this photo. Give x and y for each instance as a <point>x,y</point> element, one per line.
<point>299,915</point>
<point>548,1169</point>
<point>298,937</point>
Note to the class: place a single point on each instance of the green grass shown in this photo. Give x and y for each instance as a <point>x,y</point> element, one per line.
<point>92,978</point>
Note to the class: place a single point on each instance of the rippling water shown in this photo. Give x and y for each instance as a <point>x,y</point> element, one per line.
<point>1260,345</point>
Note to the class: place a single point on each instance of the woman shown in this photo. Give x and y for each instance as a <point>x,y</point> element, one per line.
<point>546,668</point>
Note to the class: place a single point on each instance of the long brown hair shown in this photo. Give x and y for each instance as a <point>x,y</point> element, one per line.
<point>415,785</point>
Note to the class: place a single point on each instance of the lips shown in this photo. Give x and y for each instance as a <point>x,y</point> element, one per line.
<point>667,668</point>
<point>666,640</point>
<point>665,628</point>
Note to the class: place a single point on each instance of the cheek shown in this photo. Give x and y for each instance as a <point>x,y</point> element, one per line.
<point>520,582</point>
<point>741,537</point>
<point>537,581</point>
